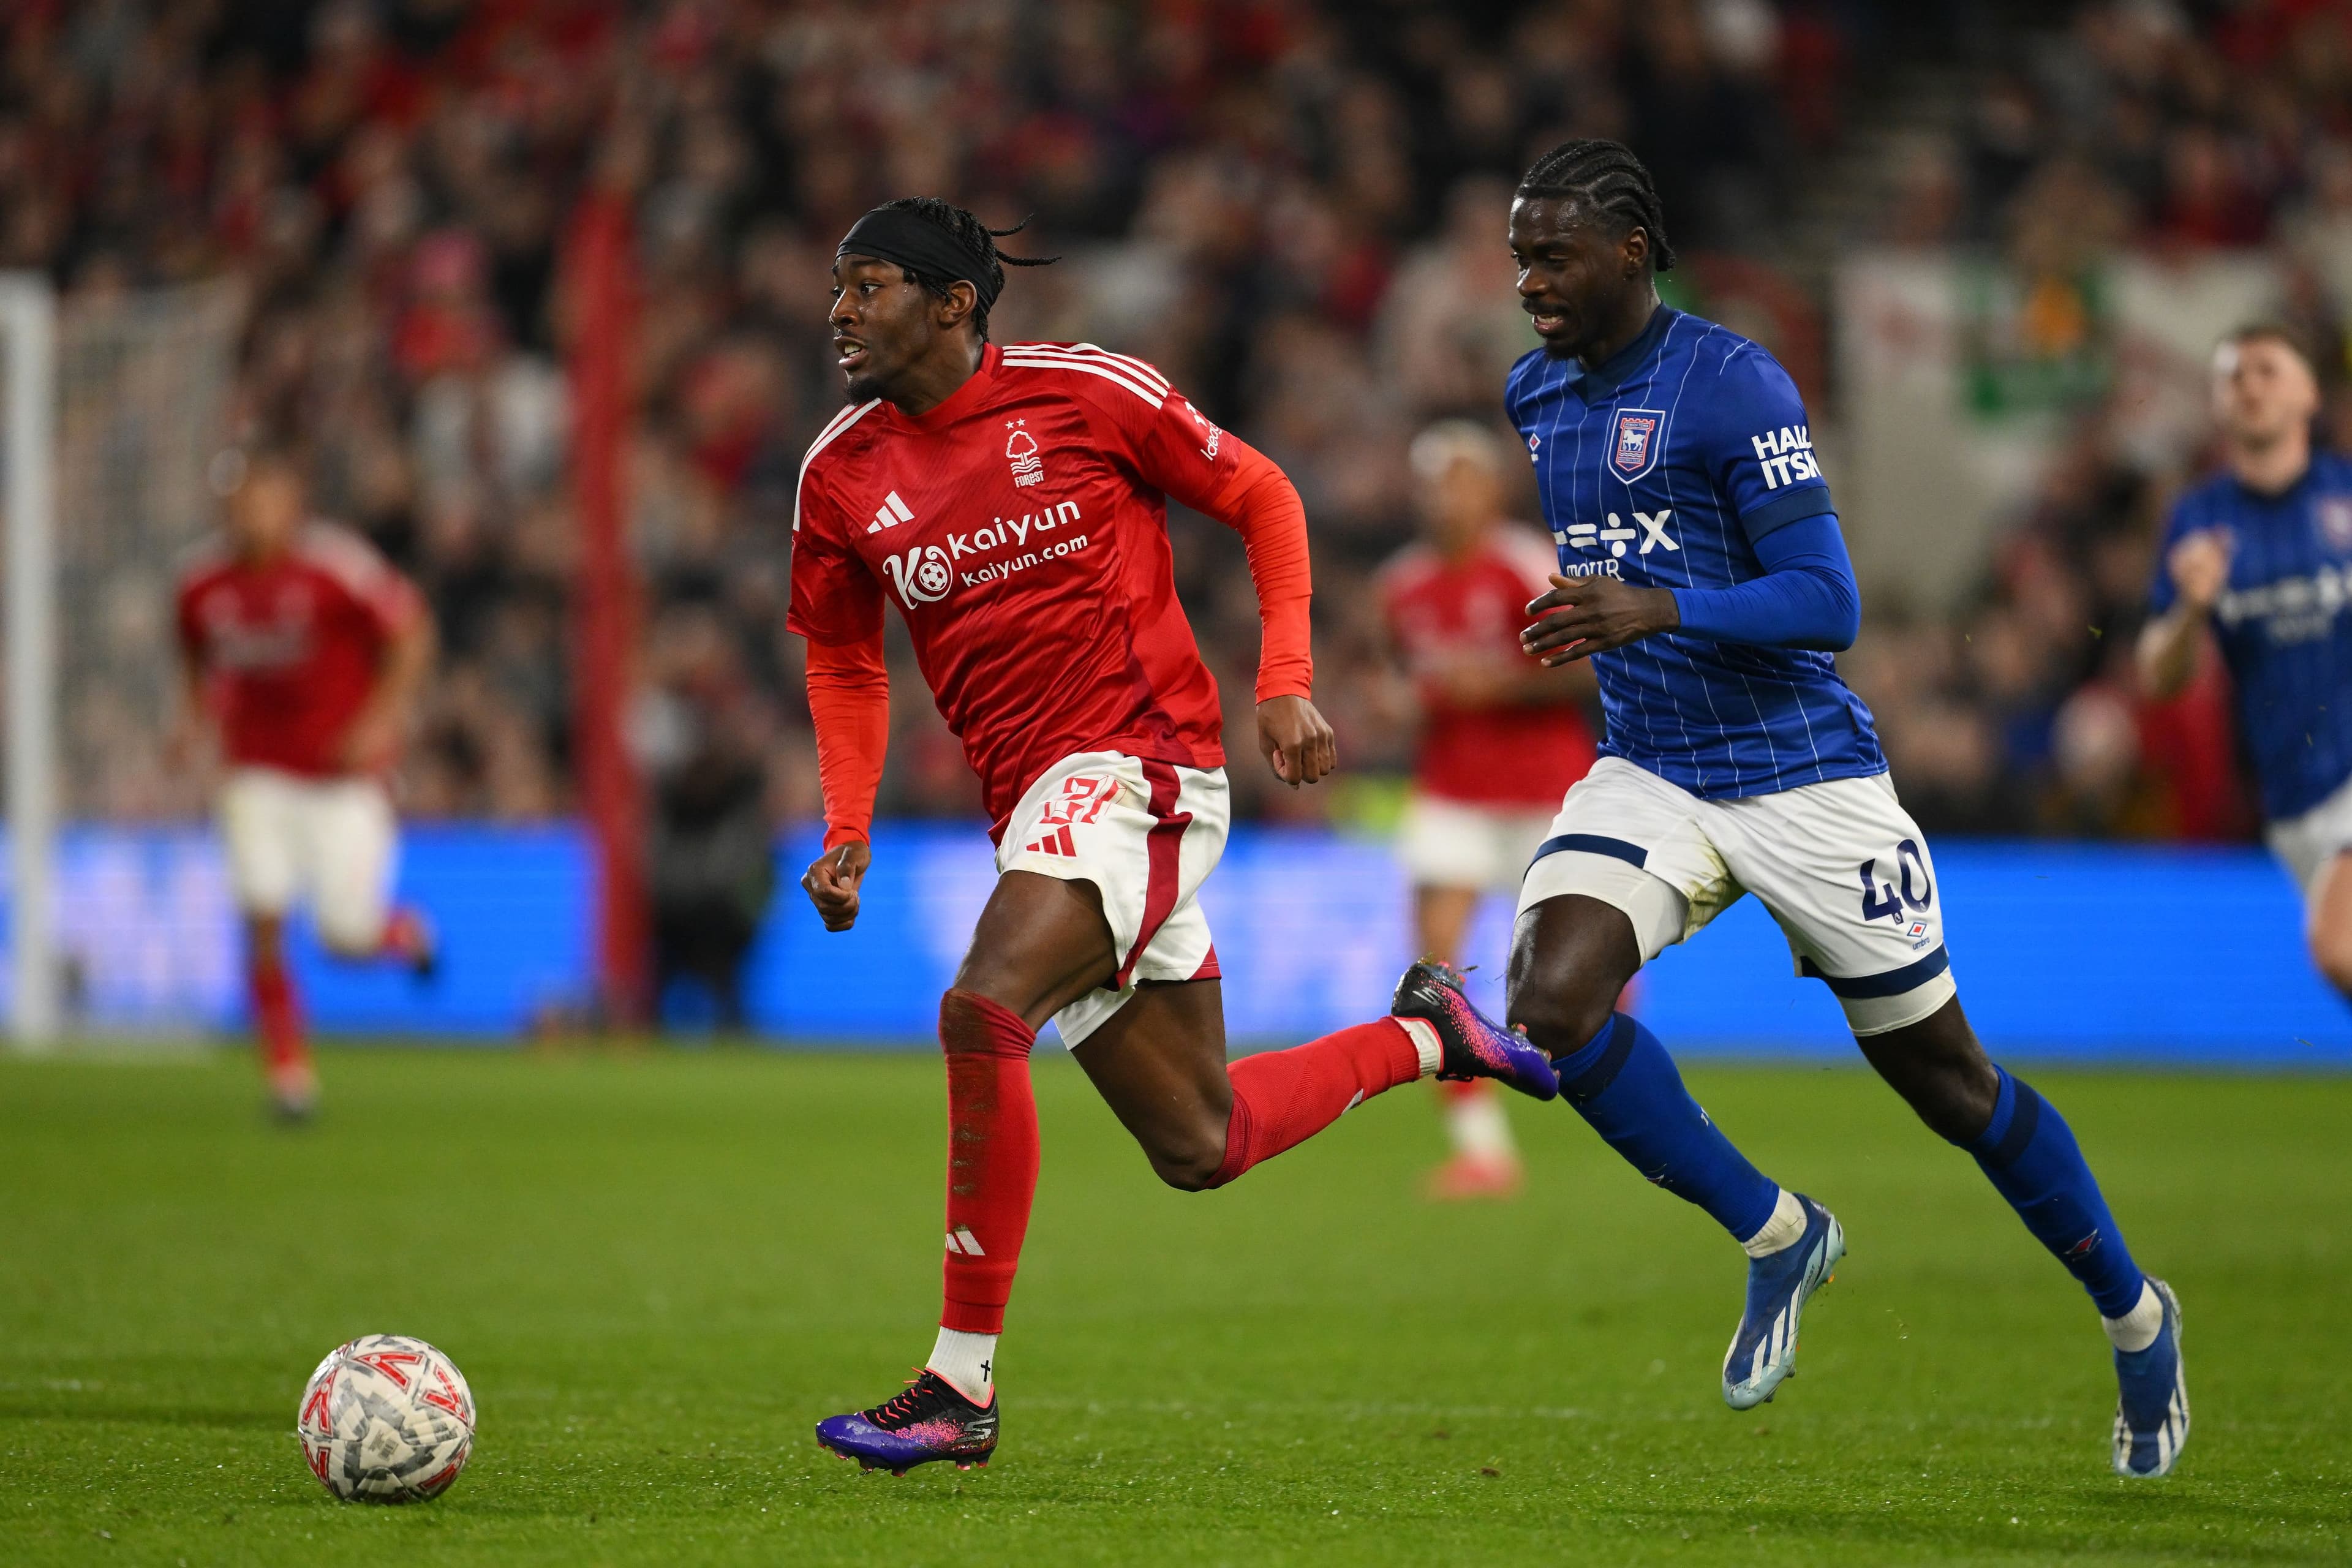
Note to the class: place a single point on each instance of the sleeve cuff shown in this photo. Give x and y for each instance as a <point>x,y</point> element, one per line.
<point>1287,679</point>
<point>1790,506</point>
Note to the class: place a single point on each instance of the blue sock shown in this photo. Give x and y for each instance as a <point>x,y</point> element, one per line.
<point>2029,1155</point>
<point>1626,1085</point>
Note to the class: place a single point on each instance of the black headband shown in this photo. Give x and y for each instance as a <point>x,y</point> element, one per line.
<point>895,234</point>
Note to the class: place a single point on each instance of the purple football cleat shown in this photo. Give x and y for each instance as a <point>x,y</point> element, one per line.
<point>1475,1045</point>
<point>931,1420</point>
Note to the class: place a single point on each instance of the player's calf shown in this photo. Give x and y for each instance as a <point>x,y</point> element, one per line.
<point>2029,1153</point>
<point>277,1021</point>
<point>1571,957</point>
<point>1940,1071</point>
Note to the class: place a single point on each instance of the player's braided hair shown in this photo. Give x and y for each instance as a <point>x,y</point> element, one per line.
<point>1605,178</point>
<point>975,238</point>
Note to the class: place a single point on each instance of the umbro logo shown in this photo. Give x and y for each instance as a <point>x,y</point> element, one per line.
<point>1056,841</point>
<point>889,514</point>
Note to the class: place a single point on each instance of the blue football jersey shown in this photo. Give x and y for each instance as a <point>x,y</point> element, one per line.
<point>1663,467</point>
<point>2283,624</point>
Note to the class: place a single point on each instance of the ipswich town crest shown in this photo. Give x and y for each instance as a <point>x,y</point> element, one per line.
<point>1633,446</point>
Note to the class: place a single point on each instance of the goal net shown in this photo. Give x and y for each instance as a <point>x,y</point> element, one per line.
<point>140,935</point>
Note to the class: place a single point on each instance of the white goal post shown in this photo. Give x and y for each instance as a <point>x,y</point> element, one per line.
<point>111,407</point>
<point>29,338</point>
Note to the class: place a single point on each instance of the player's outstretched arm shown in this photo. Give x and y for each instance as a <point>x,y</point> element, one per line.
<point>849,707</point>
<point>2199,566</point>
<point>1261,504</point>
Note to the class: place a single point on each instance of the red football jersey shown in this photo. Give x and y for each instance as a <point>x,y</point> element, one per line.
<point>1442,612</point>
<point>292,649</point>
<point>1020,528</point>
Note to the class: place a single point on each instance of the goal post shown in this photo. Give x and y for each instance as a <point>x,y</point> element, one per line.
<point>111,407</point>
<point>28,337</point>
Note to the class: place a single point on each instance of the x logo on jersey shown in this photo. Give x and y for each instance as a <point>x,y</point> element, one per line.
<point>1653,530</point>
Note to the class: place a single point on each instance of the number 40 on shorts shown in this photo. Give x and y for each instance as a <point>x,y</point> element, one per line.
<point>1883,899</point>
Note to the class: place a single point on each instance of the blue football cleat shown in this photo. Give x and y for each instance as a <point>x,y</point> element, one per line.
<point>2152,1408</point>
<point>1764,1351</point>
<point>1475,1046</point>
<point>931,1420</point>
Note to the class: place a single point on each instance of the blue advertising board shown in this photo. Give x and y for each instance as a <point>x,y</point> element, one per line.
<point>2063,950</point>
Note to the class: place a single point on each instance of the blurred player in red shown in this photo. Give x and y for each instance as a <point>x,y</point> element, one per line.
<point>306,650</point>
<point>1013,502</point>
<point>1500,739</point>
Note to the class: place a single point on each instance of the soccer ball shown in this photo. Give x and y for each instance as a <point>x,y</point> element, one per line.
<point>386,1418</point>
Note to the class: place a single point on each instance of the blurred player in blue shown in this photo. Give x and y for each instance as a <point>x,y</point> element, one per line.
<point>1703,574</point>
<point>2263,553</point>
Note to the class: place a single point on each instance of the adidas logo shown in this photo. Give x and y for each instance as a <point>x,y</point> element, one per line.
<point>889,514</point>
<point>1056,841</point>
<point>962,1242</point>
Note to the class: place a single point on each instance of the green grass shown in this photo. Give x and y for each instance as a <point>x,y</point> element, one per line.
<point>657,1271</point>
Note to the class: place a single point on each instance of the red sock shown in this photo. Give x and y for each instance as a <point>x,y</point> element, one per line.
<point>991,1157</point>
<point>1282,1097</point>
<point>276,1017</point>
<point>404,936</point>
<point>1457,1091</point>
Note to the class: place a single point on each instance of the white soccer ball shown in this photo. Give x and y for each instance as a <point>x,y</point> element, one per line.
<point>386,1418</point>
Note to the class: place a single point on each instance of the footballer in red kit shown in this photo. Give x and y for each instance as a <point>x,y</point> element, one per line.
<point>1500,741</point>
<point>304,649</point>
<point>1011,503</point>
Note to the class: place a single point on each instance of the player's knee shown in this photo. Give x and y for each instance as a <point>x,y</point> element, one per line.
<point>1189,1161</point>
<point>1956,1105</point>
<point>1940,1069</point>
<point>1560,1013</point>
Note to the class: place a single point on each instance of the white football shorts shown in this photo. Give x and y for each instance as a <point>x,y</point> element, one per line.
<point>330,840</point>
<point>1146,835</point>
<point>1456,843</point>
<point>1841,865</point>
<point>2307,845</point>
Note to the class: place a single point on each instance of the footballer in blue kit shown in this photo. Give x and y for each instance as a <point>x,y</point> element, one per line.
<point>1702,571</point>
<point>2262,553</point>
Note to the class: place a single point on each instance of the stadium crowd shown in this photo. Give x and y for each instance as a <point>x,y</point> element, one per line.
<point>1294,208</point>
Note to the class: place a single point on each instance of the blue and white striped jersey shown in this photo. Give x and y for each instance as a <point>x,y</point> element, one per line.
<point>2285,623</point>
<point>1663,467</point>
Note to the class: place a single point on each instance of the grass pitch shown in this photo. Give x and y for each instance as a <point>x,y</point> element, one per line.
<point>658,1270</point>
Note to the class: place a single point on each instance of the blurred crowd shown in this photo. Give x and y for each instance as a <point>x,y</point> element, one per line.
<point>1293,208</point>
<point>2179,130</point>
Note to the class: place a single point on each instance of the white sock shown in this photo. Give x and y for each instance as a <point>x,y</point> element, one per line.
<point>2136,1330</point>
<point>968,1360</point>
<point>1423,1035</point>
<point>1787,1223</point>
<point>1477,1124</point>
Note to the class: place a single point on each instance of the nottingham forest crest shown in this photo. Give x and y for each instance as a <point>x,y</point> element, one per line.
<point>1021,451</point>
